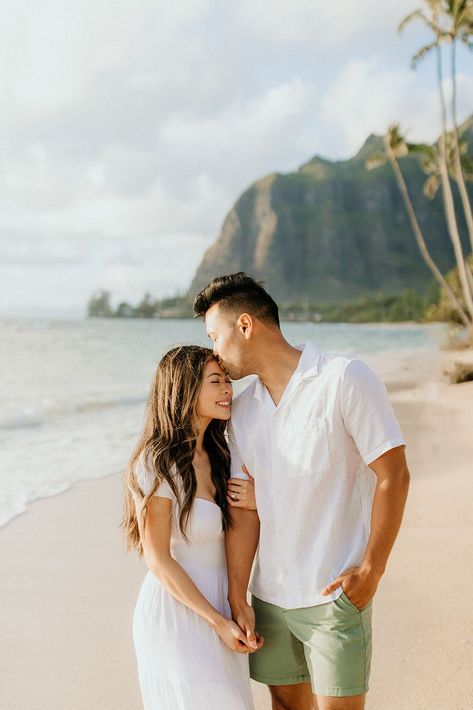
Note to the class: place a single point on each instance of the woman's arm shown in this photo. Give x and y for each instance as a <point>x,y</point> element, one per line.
<point>156,548</point>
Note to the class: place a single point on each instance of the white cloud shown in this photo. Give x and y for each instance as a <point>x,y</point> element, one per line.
<point>366,97</point>
<point>128,130</point>
<point>247,138</point>
<point>318,24</point>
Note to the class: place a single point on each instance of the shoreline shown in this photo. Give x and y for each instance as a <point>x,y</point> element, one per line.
<point>379,360</point>
<point>84,317</point>
<point>68,589</point>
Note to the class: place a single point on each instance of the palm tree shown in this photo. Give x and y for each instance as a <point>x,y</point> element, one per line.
<point>396,147</point>
<point>430,161</point>
<point>457,16</point>
<point>437,19</point>
<point>460,15</point>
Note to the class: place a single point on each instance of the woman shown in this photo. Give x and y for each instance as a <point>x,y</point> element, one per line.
<point>190,654</point>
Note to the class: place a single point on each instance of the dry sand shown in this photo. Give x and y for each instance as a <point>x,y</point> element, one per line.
<point>67,588</point>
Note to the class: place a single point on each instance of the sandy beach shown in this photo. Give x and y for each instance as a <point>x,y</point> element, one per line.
<point>68,589</point>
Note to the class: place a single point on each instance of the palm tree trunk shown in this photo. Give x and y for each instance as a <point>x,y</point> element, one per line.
<point>456,305</point>
<point>448,203</point>
<point>469,276</point>
<point>459,176</point>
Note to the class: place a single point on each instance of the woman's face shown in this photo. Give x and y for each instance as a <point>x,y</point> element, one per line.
<point>215,397</point>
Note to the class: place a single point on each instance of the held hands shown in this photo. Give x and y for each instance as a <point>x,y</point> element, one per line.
<point>358,583</point>
<point>235,639</point>
<point>244,616</point>
<point>241,492</point>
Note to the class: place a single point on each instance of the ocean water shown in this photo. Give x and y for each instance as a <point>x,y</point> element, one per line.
<point>72,393</point>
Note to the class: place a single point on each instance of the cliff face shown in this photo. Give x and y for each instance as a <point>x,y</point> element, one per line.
<point>331,231</point>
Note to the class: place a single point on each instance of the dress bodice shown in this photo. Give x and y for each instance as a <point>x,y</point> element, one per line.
<point>204,547</point>
<point>205,544</point>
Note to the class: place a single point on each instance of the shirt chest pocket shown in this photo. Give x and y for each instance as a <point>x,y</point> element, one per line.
<point>304,447</point>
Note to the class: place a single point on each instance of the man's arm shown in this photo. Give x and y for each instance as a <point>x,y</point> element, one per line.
<point>392,474</point>
<point>241,541</point>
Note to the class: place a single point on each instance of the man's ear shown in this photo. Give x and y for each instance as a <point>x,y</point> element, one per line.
<point>245,324</point>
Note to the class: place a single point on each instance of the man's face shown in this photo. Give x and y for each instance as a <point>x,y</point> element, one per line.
<point>228,343</point>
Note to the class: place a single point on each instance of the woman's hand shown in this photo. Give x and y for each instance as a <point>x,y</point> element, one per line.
<point>241,492</point>
<point>233,637</point>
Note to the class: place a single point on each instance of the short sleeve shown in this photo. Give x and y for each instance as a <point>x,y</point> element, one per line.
<point>367,413</point>
<point>145,478</point>
<point>236,460</point>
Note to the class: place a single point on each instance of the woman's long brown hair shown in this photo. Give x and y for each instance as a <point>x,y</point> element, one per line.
<point>167,445</point>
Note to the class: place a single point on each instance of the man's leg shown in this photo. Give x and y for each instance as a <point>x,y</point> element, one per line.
<point>352,702</point>
<point>337,646</point>
<point>280,663</point>
<point>292,697</point>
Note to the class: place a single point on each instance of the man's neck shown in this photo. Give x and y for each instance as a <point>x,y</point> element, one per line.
<point>277,368</point>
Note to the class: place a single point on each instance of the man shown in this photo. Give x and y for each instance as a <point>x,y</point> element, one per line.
<point>317,433</point>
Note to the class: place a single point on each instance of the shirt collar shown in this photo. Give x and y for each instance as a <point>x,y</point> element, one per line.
<point>308,366</point>
<point>310,360</point>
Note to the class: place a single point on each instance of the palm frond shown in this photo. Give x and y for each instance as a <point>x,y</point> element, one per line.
<point>415,15</point>
<point>396,141</point>
<point>420,15</point>
<point>431,186</point>
<point>422,53</point>
<point>466,41</point>
<point>376,161</point>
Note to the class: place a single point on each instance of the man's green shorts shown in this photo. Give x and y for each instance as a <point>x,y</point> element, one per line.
<point>328,645</point>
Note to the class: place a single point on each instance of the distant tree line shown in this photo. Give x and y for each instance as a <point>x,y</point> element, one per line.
<point>100,306</point>
<point>407,305</point>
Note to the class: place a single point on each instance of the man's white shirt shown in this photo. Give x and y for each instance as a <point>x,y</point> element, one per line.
<point>309,457</point>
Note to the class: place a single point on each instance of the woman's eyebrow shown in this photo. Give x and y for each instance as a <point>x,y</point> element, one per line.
<point>218,374</point>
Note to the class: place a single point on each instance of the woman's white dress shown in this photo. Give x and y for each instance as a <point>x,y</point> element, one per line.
<point>182,663</point>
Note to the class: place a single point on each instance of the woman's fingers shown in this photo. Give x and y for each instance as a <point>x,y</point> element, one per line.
<point>241,492</point>
<point>237,489</point>
<point>237,485</point>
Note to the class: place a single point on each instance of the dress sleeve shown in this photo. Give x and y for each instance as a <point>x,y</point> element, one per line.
<point>236,459</point>
<point>367,412</point>
<point>145,478</point>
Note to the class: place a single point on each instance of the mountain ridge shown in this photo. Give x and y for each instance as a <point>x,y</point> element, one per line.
<point>331,230</point>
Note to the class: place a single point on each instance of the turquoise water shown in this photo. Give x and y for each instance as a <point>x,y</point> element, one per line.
<point>73,392</point>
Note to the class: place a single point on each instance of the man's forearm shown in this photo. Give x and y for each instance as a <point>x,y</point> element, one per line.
<point>241,543</point>
<point>360,582</point>
<point>386,516</point>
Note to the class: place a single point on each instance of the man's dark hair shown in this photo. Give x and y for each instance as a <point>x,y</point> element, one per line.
<point>237,292</point>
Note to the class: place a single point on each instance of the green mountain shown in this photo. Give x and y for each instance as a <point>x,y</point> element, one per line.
<point>332,231</point>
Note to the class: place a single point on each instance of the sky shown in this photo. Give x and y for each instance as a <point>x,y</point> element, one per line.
<point>129,128</point>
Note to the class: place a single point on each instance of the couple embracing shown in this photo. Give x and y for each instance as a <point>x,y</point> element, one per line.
<point>301,477</point>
